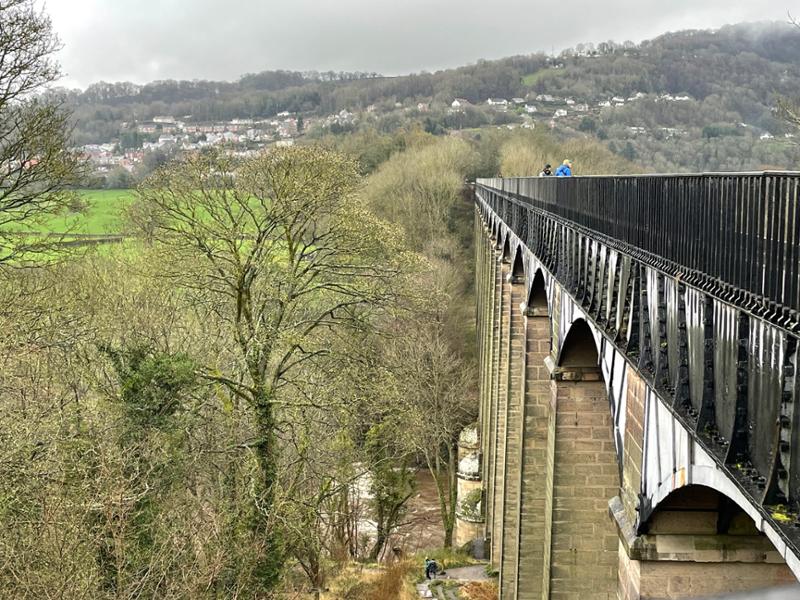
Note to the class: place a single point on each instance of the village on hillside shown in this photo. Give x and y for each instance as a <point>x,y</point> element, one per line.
<point>616,117</point>
<point>243,137</point>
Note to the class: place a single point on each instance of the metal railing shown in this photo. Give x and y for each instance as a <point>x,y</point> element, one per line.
<point>739,232</point>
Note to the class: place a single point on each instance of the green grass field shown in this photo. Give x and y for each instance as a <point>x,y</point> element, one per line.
<point>103,214</point>
<point>533,78</point>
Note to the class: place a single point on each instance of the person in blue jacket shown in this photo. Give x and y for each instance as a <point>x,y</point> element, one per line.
<point>565,170</point>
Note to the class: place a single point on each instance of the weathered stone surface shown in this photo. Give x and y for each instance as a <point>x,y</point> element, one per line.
<point>513,443</point>
<point>584,560</point>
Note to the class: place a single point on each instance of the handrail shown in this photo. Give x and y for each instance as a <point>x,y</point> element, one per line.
<point>654,175</point>
<point>741,230</point>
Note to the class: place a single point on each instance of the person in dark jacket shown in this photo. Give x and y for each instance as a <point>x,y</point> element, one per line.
<point>430,568</point>
<point>547,171</point>
<point>565,170</point>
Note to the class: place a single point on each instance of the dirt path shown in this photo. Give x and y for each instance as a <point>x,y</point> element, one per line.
<point>455,579</point>
<point>470,573</point>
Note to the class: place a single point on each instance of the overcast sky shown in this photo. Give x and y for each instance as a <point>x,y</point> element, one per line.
<point>144,40</point>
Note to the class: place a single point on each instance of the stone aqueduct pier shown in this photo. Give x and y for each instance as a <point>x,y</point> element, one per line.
<point>639,431</point>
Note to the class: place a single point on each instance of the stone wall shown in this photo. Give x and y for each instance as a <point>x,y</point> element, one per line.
<point>634,442</point>
<point>513,443</point>
<point>584,540</point>
<point>696,544</point>
<point>536,492</point>
<point>499,456</point>
<point>490,457</point>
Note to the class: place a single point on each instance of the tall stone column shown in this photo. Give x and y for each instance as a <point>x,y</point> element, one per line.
<point>635,394</point>
<point>487,318</point>
<point>511,476</point>
<point>533,535</point>
<point>584,547</point>
<point>480,307</point>
<point>499,412</point>
<point>489,424</point>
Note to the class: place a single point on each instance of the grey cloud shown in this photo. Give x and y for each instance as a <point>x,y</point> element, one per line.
<point>215,39</point>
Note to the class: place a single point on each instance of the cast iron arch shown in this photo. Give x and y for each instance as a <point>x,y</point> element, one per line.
<point>731,517</point>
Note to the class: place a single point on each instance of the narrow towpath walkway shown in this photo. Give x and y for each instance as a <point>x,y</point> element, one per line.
<point>470,573</point>
<point>455,578</point>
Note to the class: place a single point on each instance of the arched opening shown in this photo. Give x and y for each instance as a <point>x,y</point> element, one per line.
<point>506,254</point>
<point>579,348</point>
<point>537,299</point>
<point>518,268</point>
<point>697,509</point>
<point>699,542</point>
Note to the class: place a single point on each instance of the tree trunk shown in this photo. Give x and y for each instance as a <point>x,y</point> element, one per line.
<point>377,548</point>
<point>447,497</point>
<point>271,562</point>
<point>452,489</point>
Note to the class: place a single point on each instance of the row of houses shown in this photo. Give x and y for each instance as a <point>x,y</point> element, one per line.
<point>235,135</point>
<point>170,125</point>
<point>502,103</point>
<point>104,157</point>
<point>565,105</point>
<point>172,133</point>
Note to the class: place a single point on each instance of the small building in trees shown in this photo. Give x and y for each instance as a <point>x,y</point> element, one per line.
<point>497,102</point>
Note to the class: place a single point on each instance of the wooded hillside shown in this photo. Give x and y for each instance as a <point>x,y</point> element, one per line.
<point>729,83</point>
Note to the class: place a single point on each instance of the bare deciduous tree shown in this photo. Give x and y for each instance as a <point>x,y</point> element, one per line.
<point>436,403</point>
<point>276,250</point>
<point>35,163</point>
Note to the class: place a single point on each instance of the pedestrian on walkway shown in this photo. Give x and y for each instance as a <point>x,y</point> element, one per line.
<point>565,170</point>
<point>430,568</point>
